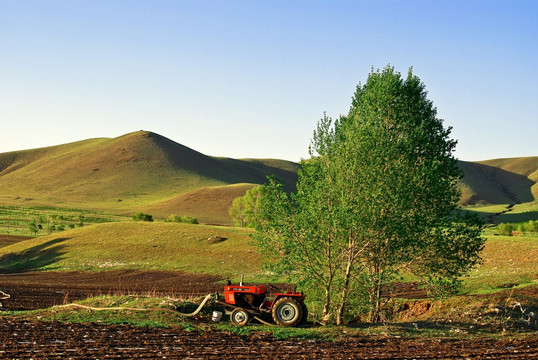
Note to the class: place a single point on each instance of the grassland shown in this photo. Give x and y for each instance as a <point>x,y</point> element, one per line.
<point>110,179</point>
<point>137,245</point>
<point>14,220</point>
<point>485,307</point>
<point>500,181</point>
<point>143,171</point>
<point>503,213</point>
<point>508,261</point>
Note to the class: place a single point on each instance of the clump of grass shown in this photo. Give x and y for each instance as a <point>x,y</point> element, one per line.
<point>522,228</point>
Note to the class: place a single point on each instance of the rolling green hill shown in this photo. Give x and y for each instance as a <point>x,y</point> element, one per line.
<point>127,173</point>
<point>144,171</point>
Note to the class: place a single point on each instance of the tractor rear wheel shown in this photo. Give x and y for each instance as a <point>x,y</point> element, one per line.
<point>287,312</point>
<point>239,317</point>
<point>304,317</point>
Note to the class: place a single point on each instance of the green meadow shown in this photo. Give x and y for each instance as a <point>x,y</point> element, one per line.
<point>137,245</point>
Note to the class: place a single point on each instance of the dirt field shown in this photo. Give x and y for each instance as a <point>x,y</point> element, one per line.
<point>22,339</point>
<point>41,340</point>
<point>36,290</point>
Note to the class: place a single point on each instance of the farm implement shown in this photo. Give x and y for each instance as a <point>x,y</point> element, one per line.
<point>246,302</point>
<point>242,303</point>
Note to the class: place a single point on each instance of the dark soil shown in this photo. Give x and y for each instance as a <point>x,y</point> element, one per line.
<point>6,240</point>
<point>36,290</point>
<point>20,339</point>
<point>24,339</point>
<point>41,289</point>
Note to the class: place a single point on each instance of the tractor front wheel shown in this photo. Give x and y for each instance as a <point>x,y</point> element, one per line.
<point>239,317</point>
<point>287,312</point>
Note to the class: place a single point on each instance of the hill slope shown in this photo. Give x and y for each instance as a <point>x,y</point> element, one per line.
<point>500,181</point>
<point>137,245</point>
<point>123,173</point>
<point>144,171</point>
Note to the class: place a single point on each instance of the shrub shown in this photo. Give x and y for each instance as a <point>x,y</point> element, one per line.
<point>532,226</point>
<point>182,219</point>
<point>140,216</point>
<point>32,228</point>
<point>505,229</point>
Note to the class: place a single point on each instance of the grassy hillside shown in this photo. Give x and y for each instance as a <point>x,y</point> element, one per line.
<point>137,245</point>
<point>500,181</point>
<point>143,171</point>
<point>123,174</point>
<point>209,204</point>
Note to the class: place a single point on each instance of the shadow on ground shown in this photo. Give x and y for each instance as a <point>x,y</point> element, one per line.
<point>33,258</point>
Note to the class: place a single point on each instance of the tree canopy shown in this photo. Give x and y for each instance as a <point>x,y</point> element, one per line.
<point>377,198</point>
<point>244,210</point>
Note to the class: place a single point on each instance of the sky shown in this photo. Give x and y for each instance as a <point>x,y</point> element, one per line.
<point>250,79</point>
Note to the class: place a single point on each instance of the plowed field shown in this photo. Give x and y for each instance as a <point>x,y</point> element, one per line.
<point>45,340</point>
<point>36,290</point>
<point>24,339</point>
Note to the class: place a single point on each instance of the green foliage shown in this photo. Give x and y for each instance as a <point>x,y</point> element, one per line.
<point>14,220</point>
<point>182,219</point>
<point>140,216</point>
<point>32,227</point>
<point>508,229</point>
<point>377,197</point>
<point>245,209</point>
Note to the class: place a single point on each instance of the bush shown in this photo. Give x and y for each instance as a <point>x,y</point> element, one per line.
<point>189,220</point>
<point>140,216</point>
<point>532,226</point>
<point>525,227</point>
<point>182,219</point>
<point>505,229</point>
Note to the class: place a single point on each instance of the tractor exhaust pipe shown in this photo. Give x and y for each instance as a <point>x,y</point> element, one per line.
<point>242,279</point>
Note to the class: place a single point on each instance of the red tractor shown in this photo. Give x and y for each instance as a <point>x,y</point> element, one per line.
<point>246,302</point>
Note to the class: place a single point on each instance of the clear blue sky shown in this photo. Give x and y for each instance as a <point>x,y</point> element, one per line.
<point>252,78</point>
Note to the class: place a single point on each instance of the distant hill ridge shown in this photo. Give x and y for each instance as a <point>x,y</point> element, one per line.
<point>124,173</point>
<point>144,171</point>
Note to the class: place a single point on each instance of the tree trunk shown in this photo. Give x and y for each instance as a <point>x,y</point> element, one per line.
<point>374,297</point>
<point>345,289</point>
<point>327,305</point>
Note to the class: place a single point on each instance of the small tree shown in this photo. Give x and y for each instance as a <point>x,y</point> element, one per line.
<point>32,227</point>
<point>182,219</point>
<point>505,229</point>
<point>532,226</point>
<point>245,209</point>
<point>140,216</point>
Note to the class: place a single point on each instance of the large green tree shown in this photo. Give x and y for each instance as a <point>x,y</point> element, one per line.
<point>377,197</point>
